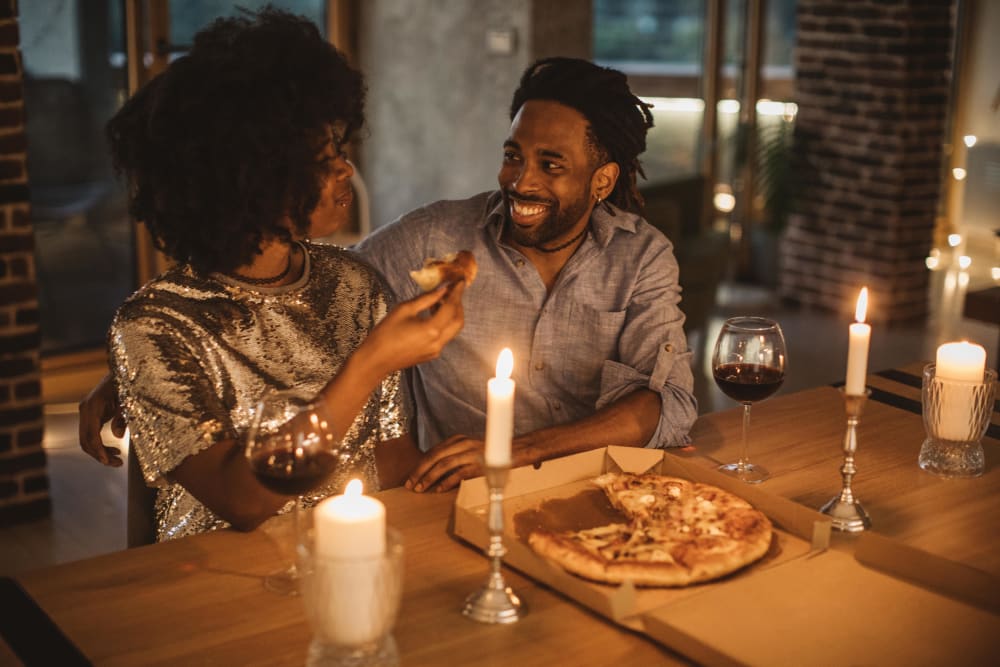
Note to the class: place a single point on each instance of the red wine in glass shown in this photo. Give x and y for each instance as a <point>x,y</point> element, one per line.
<point>292,473</point>
<point>748,383</point>
<point>291,450</point>
<point>748,365</point>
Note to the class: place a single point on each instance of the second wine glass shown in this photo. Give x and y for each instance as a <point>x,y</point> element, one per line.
<point>291,451</point>
<point>748,365</point>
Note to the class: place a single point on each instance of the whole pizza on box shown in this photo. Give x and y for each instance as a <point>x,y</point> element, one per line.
<point>676,532</point>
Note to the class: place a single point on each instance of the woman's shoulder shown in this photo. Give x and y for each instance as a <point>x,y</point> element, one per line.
<point>332,264</point>
<point>177,294</point>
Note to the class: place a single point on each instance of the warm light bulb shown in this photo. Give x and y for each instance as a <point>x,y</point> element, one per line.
<point>505,363</point>
<point>724,202</point>
<point>354,488</point>
<point>970,140</point>
<point>954,239</point>
<point>964,262</point>
<point>958,173</point>
<point>862,308</point>
<point>932,262</point>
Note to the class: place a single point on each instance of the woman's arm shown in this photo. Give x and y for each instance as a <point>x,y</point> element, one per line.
<point>219,476</point>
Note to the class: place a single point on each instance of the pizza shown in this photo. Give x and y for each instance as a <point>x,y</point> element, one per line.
<point>451,268</point>
<point>676,533</point>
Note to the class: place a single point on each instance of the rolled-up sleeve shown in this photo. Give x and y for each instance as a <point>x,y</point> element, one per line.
<point>653,351</point>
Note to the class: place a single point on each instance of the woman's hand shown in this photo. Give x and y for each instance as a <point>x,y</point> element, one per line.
<point>97,408</point>
<point>417,330</point>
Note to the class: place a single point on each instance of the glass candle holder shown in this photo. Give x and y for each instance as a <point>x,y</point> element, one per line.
<point>956,414</point>
<point>351,604</point>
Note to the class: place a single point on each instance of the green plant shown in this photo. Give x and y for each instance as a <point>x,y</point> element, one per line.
<point>773,182</point>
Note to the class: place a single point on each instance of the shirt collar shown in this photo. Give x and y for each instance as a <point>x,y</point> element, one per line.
<point>602,223</point>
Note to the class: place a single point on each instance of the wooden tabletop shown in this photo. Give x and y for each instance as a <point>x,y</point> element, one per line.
<point>799,439</point>
<point>201,599</point>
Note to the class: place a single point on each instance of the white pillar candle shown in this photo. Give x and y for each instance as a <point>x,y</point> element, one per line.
<point>857,349</point>
<point>961,361</point>
<point>959,366</point>
<point>500,412</point>
<point>349,549</point>
<point>350,526</point>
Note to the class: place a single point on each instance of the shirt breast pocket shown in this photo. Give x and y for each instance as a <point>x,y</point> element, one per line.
<point>592,339</point>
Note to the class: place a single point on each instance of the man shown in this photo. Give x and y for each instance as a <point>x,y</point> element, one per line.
<point>582,289</point>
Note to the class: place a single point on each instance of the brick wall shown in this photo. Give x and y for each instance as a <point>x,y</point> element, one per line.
<point>24,483</point>
<point>872,84</point>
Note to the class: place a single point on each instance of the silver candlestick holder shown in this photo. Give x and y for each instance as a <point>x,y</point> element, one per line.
<point>845,510</point>
<point>495,602</point>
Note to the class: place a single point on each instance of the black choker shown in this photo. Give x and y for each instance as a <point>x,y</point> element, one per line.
<point>269,280</point>
<point>563,246</point>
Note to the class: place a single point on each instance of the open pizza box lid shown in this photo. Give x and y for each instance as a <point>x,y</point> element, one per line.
<point>827,597</point>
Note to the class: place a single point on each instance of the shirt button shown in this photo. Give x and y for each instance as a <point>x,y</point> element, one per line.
<point>539,366</point>
<point>519,262</point>
<point>669,347</point>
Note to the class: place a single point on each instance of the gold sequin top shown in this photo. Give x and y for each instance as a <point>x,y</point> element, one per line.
<point>192,355</point>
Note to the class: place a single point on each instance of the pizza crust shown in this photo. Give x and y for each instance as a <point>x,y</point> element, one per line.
<point>451,268</point>
<point>678,533</point>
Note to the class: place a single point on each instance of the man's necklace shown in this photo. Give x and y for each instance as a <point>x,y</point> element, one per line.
<point>563,246</point>
<point>270,279</point>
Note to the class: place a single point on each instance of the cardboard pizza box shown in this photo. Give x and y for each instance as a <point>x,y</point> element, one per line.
<point>801,597</point>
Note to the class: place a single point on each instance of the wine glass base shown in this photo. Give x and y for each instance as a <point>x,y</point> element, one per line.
<point>750,473</point>
<point>283,582</point>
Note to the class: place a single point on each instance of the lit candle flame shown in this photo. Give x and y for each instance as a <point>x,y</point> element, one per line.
<point>354,488</point>
<point>505,363</point>
<point>862,308</point>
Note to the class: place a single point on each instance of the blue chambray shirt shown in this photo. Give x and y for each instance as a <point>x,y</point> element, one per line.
<point>610,325</point>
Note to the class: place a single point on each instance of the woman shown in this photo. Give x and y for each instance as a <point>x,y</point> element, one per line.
<point>233,158</point>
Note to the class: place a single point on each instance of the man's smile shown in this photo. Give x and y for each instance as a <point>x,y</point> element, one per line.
<point>527,212</point>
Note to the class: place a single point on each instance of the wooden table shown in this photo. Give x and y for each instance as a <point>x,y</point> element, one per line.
<point>799,438</point>
<point>200,600</point>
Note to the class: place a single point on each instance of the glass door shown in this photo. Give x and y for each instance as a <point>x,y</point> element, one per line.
<point>74,79</point>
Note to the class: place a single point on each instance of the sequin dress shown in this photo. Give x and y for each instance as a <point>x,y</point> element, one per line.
<point>192,355</point>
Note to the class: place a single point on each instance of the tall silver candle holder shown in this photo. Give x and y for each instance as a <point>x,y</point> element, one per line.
<point>495,602</point>
<point>846,511</point>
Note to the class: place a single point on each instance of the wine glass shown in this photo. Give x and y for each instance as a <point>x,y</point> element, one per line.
<point>291,451</point>
<point>748,364</point>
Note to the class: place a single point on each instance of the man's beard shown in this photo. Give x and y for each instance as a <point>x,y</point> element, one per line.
<point>556,223</point>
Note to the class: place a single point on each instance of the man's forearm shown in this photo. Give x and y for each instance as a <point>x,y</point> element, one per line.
<point>395,459</point>
<point>629,421</point>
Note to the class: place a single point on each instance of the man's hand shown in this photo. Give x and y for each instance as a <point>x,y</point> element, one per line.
<point>447,464</point>
<point>97,408</point>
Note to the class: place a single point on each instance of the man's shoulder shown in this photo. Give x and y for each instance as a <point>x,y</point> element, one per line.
<point>440,226</point>
<point>452,212</point>
<point>634,232</point>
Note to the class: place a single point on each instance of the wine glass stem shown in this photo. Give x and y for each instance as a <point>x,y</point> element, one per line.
<point>744,451</point>
<point>293,568</point>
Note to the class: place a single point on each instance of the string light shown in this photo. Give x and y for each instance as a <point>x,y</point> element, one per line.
<point>970,140</point>
<point>954,240</point>
<point>958,173</point>
<point>964,262</point>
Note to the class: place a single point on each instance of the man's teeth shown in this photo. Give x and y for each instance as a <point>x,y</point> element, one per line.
<point>528,210</point>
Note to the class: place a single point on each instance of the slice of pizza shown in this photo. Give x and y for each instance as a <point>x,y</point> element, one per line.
<point>451,268</point>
